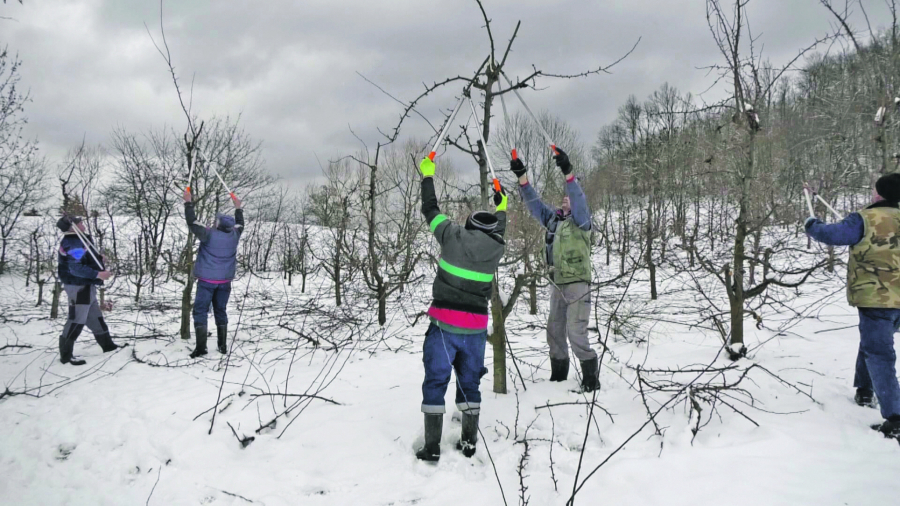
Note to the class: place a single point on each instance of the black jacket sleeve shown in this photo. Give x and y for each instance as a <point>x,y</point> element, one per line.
<point>429,200</point>
<point>190,217</point>
<point>239,220</point>
<point>501,223</point>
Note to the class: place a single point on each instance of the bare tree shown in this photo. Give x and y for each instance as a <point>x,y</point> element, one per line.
<point>335,207</point>
<point>22,171</point>
<point>144,187</point>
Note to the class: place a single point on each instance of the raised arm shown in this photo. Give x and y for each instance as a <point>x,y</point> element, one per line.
<point>238,215</point>
<point>440,224</point>
<point>846,233</point>
<point>500,200</point>
<point>581,213</point>
<point>538,209</point>
<point>580,210</point>
<point>191,219</point>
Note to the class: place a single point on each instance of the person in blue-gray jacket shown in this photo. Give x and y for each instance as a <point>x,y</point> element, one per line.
<point>568,254</point>
<point>214,269</point>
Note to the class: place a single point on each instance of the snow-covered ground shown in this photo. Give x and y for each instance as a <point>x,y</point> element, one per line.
<point>122,431</point>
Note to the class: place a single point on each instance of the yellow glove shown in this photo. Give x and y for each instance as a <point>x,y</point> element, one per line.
<point>500,200</point>
<point>426,167</point>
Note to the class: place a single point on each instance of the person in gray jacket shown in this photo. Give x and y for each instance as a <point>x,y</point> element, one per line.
<point>214,269</point>
<point>568,253</point>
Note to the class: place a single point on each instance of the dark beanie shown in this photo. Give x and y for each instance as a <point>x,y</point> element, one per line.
<point>65,223</point>
<point>889,187</point>
<point>481,220</point>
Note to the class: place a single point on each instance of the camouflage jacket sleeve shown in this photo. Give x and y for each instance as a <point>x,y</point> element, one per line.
<point>846,233</point>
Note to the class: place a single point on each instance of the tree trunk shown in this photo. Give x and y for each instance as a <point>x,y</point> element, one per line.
<point>54,304</point>
<point>649,253</point>
<point>498,341</point>
<point>40,298</point>
<point>382,306</point>
<point>3,256</point>
<point>736,297</point>
<point>186,307</point>
<point>337,284</point>
<point>532,295</point>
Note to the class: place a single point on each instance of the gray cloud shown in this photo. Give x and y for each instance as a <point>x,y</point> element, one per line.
<point>289,68</point>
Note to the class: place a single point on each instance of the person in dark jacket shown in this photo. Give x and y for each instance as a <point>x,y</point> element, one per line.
<point>568,253</point>
<point>456,337</point>
<point>80,275</point>
<point>873,287</point>
<point>214,269</point>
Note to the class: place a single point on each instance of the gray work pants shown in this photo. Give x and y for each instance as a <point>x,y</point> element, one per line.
<point>83,310</point>
<point>570,310</point>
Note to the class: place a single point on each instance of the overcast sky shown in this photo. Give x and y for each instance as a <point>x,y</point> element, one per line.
<point>289,68</point>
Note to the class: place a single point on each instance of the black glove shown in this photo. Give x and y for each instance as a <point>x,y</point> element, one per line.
<point>500,199</point>
<point>517,167</point>
<point>562,161</point>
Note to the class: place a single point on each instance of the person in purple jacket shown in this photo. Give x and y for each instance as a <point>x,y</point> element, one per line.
<point>214,269</point>
<point>568,253</point>
<point>873,287</point>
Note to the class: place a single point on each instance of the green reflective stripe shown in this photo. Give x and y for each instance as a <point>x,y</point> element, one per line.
<point>437,221</point>
<point>465,273</point>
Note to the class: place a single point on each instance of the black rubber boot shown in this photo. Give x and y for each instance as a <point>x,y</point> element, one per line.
<point>222,338</point>
<point>105,341</point>
<point>469,437</point>
<point>559,369</point>
<point>434,424</point>
<point>201,333</point>
<point>67,345</point>
<point>864,398</point>
<point>890,427</point>
<point>589,373</point>
<point>73,361</point>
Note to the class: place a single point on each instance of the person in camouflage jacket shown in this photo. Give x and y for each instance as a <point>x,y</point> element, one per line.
<point>873,287</point>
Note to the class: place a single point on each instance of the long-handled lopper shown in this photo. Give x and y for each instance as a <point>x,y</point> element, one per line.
<point>809,193</point>
<point>528,109</point>
<point>835,213</point>
<point>446,128</point>
<point>484,144</point>
<point>512,151</point>
<point>806,192</point>
<point>88,245</point>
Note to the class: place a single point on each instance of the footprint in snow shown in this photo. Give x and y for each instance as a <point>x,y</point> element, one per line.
<point>64,450</point>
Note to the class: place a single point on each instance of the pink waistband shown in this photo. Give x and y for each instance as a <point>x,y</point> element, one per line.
<point>459,319</point>
<point>215,281</point>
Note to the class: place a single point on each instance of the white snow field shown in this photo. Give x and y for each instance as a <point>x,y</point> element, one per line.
<point>131,427</point>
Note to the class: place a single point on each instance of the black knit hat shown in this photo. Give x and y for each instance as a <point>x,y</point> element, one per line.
<point>481,220</point>
<point>65,223</point>
<point>889,187</point>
